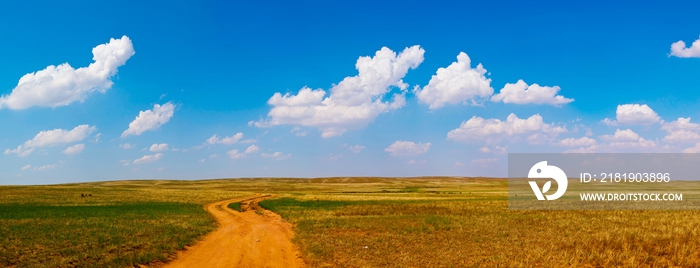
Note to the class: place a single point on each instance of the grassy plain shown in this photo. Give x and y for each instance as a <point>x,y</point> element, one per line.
<point>339,222</point>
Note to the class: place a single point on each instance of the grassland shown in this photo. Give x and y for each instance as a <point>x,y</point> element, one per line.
<point>339,222</point>
<point>235,206</point>
<point>111,224</point>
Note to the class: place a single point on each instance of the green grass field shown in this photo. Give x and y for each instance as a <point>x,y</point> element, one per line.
<point>339,222</point>
<point>235,206</point>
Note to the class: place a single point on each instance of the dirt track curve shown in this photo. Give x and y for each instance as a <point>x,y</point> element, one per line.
<point>252,238</point>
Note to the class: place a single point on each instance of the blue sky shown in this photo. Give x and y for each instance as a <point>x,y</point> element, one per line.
<point>197,74</point>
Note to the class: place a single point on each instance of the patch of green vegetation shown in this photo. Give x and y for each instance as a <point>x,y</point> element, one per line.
<point>286,202</point>
<point>235,206</point>
<point>411,190</point>
<point>120,235</point>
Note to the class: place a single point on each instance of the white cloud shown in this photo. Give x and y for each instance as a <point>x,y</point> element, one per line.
<point>46,167</point>
<point>521,93</point>
<point>455,84</point>
<point>678,49</point>
<point>149,158</point>
<point>48,138</point>
<point>298,132</point>
<point>62,85</point>
<point>693,150</point>
<point>539,138</point>
<point>402,148</point>
<point>484,161</point>
<point>234,154</point>
<point>75,149</point>
<point>496,150</point>
<point>633,114</point>
<point>680,124</point>
<point>26,167</point>
<point>477,128</point>
<point>251,149</point>
<point>459,164</point>
<point>681,130</point>
<point>150,119</point>
<point>225,140</point>
<point>583,150</point>
<point>276,155</point>
<point>499,150</point>
<point>20,151</point>
<point>627,139</point>
<point>158,147</point>
<point>414,162</point>
<point>352,103</point>
<point>126,146</point>
<point>679,136</point>
<point>622,139</point>
<point>580,142</point>
<point>248,141</point>
<point>356,148</point>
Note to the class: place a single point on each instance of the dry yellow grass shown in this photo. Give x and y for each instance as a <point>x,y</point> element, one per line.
<point>375,222</point>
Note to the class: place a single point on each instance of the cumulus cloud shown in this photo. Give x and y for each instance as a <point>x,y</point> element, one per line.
<point>457,83</point>
<point>584,150</point>
<point>627,139</point>
<point>573,142</point>
<point>679,49</point>
<point>478,128</point>
<point>680,136</point>
<point>234,154</point>
<point>352,103</point>
<point>521,93</point>
<point>681,130</point>
<point>298,132</point>
<point>158,147</point>
<point>633,114</point>
<point>62,85</point>
<point>693,150</point>
<point>496,150</point>
<point>126,146</point>
<point>356,148</point>
<point>75,149</point>
<point>225,140</point>
<point>403,148</point>
<point>26,167</point>
<point>48,138</point>
<point>150,119</point>
<point>621,139</point>
<point>276,155</point>
<point>46,167</point>
<point>680,124</point>
<point>252,149</point>
<point>149,158</point>
<point>484,161</point>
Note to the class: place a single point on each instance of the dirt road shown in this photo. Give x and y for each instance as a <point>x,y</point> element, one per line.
<point>252,238</point>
